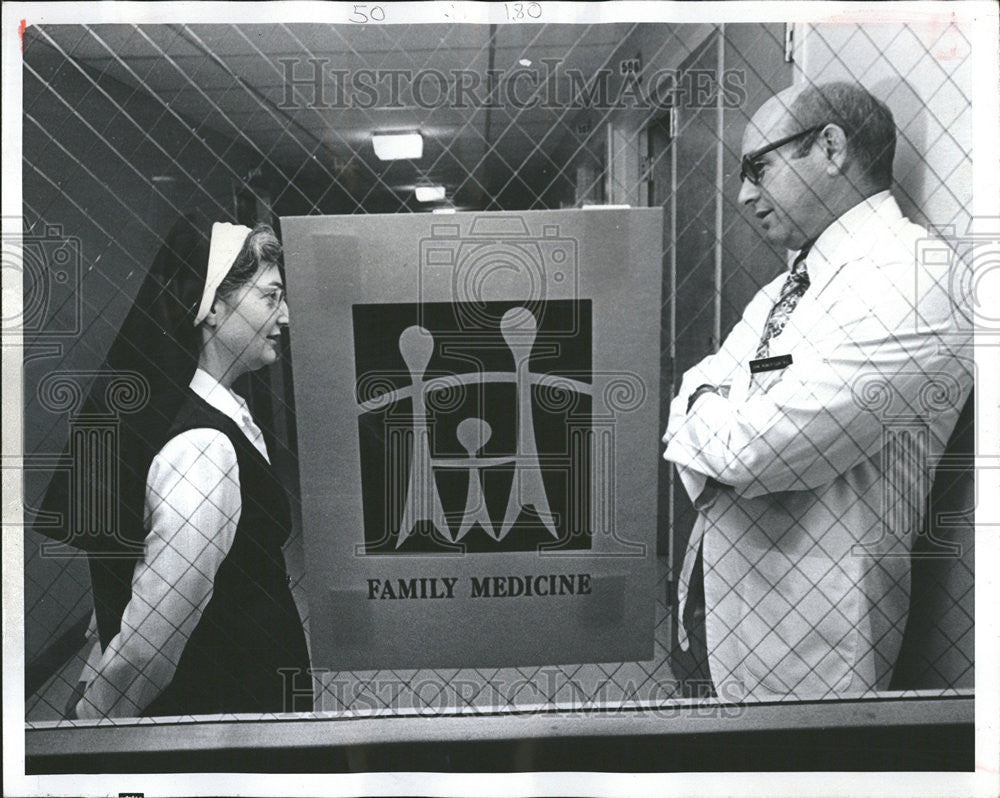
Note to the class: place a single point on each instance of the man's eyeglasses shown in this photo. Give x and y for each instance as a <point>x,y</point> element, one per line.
<point>752,170</point>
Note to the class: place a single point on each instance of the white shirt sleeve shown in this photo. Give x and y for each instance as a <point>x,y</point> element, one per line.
<point>192,510</point>
<point>809,426</point>
<point>719,370</point>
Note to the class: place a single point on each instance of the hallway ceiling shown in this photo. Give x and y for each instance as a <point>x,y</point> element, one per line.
<point>236,81</point>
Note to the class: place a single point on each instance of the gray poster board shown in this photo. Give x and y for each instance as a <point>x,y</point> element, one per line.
<point>477,413</point>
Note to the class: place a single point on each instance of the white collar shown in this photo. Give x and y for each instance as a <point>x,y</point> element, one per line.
<point>850,233</point>
<point>218,395</point>
<point>231,404</point>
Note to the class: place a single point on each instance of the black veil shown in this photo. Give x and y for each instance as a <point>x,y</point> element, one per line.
<point>100,504</point>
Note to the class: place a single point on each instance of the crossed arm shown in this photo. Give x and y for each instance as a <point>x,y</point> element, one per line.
<point>815,421</point>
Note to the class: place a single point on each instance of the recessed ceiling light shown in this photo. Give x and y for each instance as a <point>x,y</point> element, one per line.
<point>525,62</point>
<point>397,146</point>
<point>429,193</point>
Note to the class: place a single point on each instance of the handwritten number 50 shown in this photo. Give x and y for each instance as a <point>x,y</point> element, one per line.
<point>365,13</point>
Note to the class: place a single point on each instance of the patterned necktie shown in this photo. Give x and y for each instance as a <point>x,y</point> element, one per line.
<point>791,292</point>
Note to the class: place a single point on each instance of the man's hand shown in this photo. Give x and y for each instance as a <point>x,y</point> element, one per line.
<point>712,485</point>
<point>701,389</point>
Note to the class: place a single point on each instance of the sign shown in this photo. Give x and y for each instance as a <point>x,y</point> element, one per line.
<point>630,66</point>
<point>477,411</point>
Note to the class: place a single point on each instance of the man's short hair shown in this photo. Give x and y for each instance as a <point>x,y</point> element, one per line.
<point>866,121</point>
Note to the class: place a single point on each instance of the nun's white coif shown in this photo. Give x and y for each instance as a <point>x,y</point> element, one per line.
<point>227,241</point>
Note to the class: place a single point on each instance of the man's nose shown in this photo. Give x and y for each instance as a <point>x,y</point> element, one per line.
<point>749,193</point>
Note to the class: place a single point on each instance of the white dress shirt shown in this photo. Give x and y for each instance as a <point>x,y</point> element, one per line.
<point>825,465</point>
<point>191,512</point>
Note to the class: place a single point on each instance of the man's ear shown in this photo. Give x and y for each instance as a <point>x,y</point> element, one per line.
<point>833,140</point>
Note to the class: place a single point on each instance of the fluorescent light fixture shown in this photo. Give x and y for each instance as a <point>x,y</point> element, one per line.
<point>442,210</point>
<point>397,146</point>
<point>589,207</point>
<point>429,193</point>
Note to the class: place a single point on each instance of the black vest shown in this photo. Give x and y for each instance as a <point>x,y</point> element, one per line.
<point>248,652</point>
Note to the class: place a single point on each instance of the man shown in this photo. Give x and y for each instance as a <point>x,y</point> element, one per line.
<point>808,442</point>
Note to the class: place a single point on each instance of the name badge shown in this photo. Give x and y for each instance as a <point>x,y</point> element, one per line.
<point>770,363</point>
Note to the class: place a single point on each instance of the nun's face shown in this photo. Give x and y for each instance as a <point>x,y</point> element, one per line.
<point>250,321</point>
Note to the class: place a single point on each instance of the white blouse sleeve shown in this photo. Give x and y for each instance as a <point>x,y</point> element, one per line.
<point>192,510</point>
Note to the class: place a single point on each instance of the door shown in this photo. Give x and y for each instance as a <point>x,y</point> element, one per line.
<point>719,258</point>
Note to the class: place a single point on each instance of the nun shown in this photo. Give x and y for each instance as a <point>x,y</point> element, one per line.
<point>199,618</point>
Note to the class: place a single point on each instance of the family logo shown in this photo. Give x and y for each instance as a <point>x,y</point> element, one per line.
<point>474,424</point>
